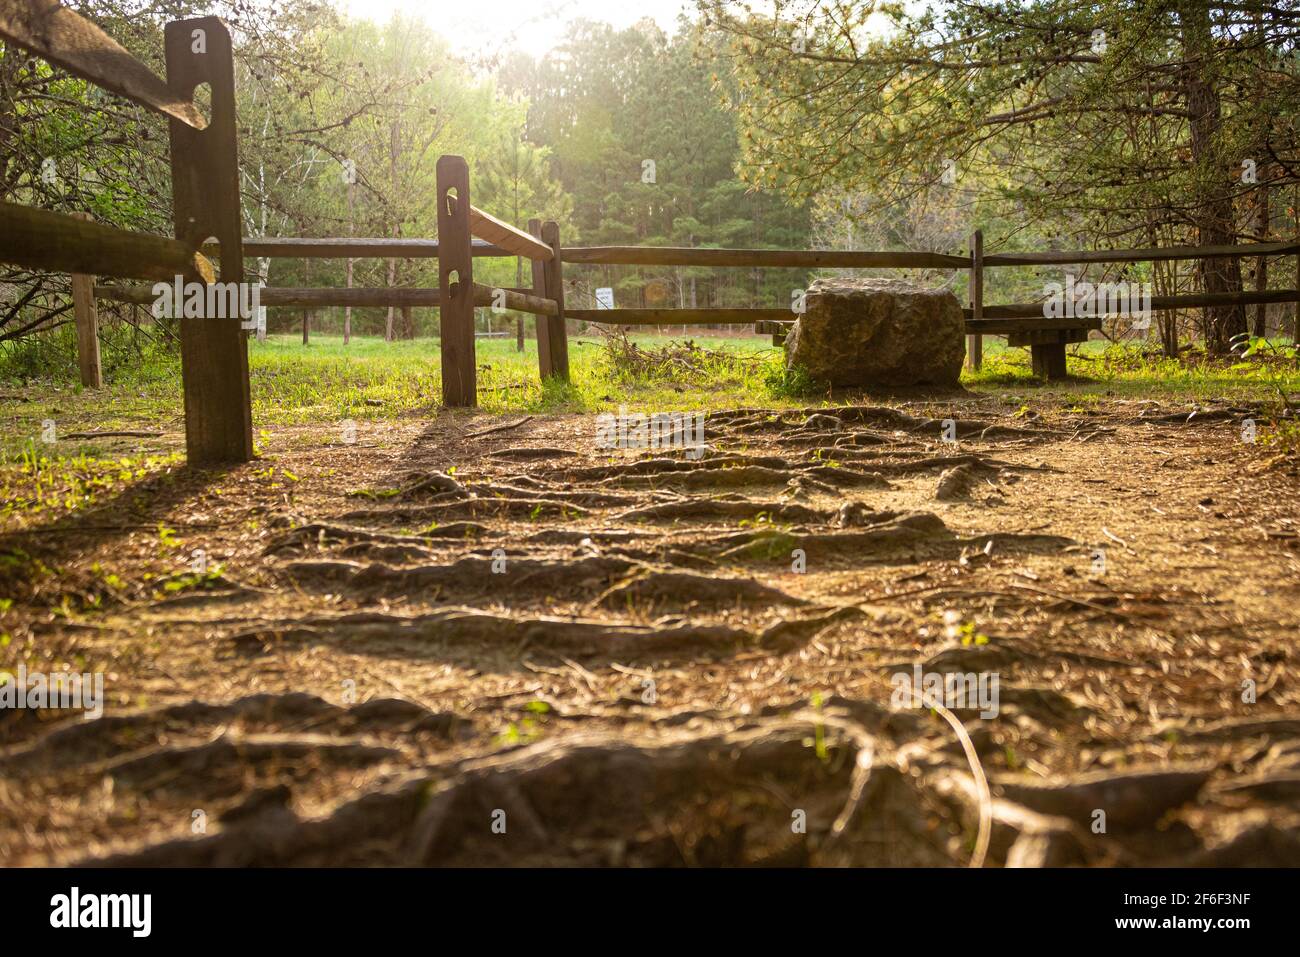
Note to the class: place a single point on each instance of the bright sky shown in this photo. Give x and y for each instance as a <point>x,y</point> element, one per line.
<point>534,26</point>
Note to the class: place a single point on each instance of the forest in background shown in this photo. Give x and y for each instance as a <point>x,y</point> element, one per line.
<point>845,125</point>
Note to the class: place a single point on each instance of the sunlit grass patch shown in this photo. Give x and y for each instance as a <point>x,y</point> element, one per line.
<point>36,483</point>
<point>1099,368</point>
<point>325,383</point>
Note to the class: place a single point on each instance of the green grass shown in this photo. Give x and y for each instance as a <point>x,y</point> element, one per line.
<point>326,382</point>
<point>371,379</point>
<point>39,482</point>
<point>1101,370</point>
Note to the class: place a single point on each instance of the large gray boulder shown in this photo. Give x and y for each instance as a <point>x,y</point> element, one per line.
<point>878,332</point>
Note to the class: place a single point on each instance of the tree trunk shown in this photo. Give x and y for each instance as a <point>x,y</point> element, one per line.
<point>1213,212</point>
<point>9,67</point>
<point>1261,264</point>
<point>394,151</point>
<point>347,310</point>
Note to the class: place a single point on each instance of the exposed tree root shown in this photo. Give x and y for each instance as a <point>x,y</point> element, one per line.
<point>468,508</point>
<point>420,482</point>
<point>189,766</point>
<point>651,466</point>
<point>683,588</point>
<point>532,454</point>
<point>942,462</point>
<point>885,417</point>
<point>387,554</point>
<point>1255,845</point>
<point>82,742</point>
<point>841,477</point>
<point>726,799</point>
<point>1238,729</point>
<point>592,499</point>
<point>1129,799</point>
<point>803,487</point>
<point>725,510</point>
<point>811,789</point>
<point>831,441</point>
<point>471,575</point>
<point>322,533</point>
<point>739,477</point>
<point>955,483</point>
<point>577,536</point>
<point>1198,416</point>
<point>892,534</point>
<point>461,626</point>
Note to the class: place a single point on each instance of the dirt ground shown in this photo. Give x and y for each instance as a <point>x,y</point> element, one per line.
<point>485,640</point>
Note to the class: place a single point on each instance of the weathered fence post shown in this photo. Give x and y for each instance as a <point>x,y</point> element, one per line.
<point>539,289</point>
<point>548,283</point>
<point>205,199</point>
<point>306,312</point>
<point>456,284</point>
<point>553,358</point>
<point>975,343</point>
<point>83,308</point>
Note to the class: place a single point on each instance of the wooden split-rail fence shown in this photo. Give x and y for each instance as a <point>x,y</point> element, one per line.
<point>209,247</point>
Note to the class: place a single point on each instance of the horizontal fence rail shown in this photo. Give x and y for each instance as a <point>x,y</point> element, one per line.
<point>357,297</point>
<point>283,247</point>
<point>680,317</point>
<point>865,259</point>
<point>1150,254</point>
<point>995,320</point>
<point>67,39</point>
<point>794,258</point>
<point>783,317</point>
<point>41,239</point>
<point>1185,301</point>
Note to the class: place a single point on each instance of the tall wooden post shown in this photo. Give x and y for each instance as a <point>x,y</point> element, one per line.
<point>205,201</point>
<point>456,284</point>
<point>975,343</point>
<point>306,310</point>
<point>83,307</point>
<point>539,289</point>
<point>552,339</point>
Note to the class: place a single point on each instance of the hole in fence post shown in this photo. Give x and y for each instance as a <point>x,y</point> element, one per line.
<point>202,98</point>
<point>213,255</point>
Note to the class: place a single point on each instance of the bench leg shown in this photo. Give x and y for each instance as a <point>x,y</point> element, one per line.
<point>1048,360</point>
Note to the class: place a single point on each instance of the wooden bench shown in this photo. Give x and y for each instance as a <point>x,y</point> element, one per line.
<point>777,330</point>
<point>1045,338</point>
